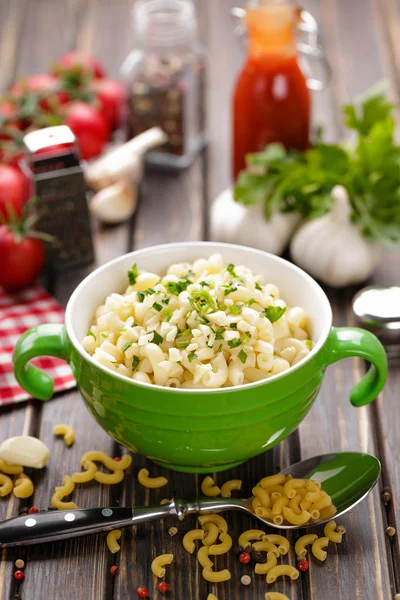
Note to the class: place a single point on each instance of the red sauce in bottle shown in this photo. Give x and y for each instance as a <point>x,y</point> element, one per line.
<point>271,101</point>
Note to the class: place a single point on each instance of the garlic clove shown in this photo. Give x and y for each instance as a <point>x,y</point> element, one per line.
<point>25,450</point>
<point>235,223</point>
<point>123,162</point>
<point>115,203</point>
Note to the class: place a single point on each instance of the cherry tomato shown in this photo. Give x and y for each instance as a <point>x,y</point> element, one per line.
<point>41,82</point>
<point>112,96</point>
<point>21,261</point>
<point>89,127</point>
<point>80,60</point>
<point>8,110</point>
<point>163,587</point>
<point>12,190</point>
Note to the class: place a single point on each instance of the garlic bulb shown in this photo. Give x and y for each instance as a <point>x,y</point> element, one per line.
<point>332,249</point>
<point>115,203</point>
<point>235,223</point>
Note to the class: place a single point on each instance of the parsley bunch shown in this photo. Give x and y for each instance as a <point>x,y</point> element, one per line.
<point>368,167</point>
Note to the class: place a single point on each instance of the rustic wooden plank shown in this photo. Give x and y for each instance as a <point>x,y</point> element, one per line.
<point>348,35</point>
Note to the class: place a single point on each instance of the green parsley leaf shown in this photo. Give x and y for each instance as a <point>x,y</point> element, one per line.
<point>135,363</point>
<point>231,270</point>
<point>182,339</point>
<point>104,335</point>
<point>220,333</point>
<point>179,362</point>
<point>243,356</point>
<point>233,325</point>
<point>234,310</point>
<point>157,306</point>
<point>141,295</point>
<point>91,333</point>
<point>157,338</point>
<point>248,334</point>
<point>166,300</point>
<point>251,301</point>
<point>168,314</point>
<point>274,313</point>
<point>234,343</point>
<point>219,348</point>
<point>192,357</point>
<point>230,289</point>
<point>202,320</point>
<point>126,346</point>
<point>257,286</point>
<point>205,284</point>
<point>133,274</point>
<point>176,287</point>
<point>202,301</point>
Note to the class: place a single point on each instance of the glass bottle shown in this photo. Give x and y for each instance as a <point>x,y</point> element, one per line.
<point>165,76</point>
<point>271,101</point>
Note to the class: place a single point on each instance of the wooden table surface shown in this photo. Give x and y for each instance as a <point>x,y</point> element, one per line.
<point>361,39</point>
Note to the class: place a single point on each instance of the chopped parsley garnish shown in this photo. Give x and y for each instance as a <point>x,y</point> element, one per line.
<point>205,284</point>
<point>157,338</point>
<point>126,346</point>
<point>135,362</point>
<point>230,268</point>
<point>219,348</point>
<point>230,289</point>
<point>157,306</point>
<point>141,295</point>
<point>202,301</point>
<point>165,300</point>
<point>133,274</point>
<point>233,325</point>
<point>104,335</point>
<point>91,333</point>
<point>243,356</point>
<point>122,330</point>
<point>168,314</point>
<point>176,287</point>
<point>192,357</point>
<point>234,310</point>
<point>182,340</point>
<point>220,333</point>
<point>274,313</point>
<point>251,301</point>
<point>248,334</point>
<point>234,343</point>
<point>258,287</point>
<point>202,320</point>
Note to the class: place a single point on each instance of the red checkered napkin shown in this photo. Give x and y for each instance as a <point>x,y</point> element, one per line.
<point>19,312</point>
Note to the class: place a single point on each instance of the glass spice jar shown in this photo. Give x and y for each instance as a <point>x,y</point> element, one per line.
<point>165,77</point>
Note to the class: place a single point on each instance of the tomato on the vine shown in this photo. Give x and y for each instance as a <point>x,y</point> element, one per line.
<point>8,111</point>
<point>12,191</point>
<point>78,61</point>
<point>22,256</point>
<point>111,95</point>
<point>89,127</point>
<point>41,83</point>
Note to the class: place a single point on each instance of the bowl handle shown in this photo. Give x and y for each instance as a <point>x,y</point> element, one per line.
<point>344,342</point>
<point>43,340</point>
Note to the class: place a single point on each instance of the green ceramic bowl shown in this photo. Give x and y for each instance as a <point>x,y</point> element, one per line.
<point>199,430</point>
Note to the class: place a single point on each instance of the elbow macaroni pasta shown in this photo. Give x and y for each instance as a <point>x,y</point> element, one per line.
<point>249,535</point>
<point>157,566</point>
<point>201,325</point>
<point>281,571</point>
<point>112,538</point>
<point>264,568</point>
<point>275,596</point>
<point>106,460</point>
<point>88,474</point>
<point>284,500</point>
<point>317,548</point>
<point>67,431</point>
<point>228,486</point>
<point>23,486</point>
<point>212,533</point>
<point>209,487</point>
<point>62,491</point>
<point>216,576</point>
<point>203,558</point>
<point>151,482</point>
<point>6,485</point>
<point>300,545</point>
<point>189,537</point>
<point>214,518</point>
<point>223,547</point>
<point>10,469</point>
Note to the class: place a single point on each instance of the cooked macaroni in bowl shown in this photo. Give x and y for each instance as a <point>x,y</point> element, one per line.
<point>202,325</point>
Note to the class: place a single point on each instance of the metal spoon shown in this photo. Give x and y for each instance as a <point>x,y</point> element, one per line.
<point>376,308</point>
<point>347,477</point>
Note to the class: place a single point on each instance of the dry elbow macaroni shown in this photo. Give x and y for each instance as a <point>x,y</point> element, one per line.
<point>67,431</point>
<point>151,482</point>
<point>6,485</point>
<point>209,488</point>
<point>23,486</point>
<point>275,596</point>
<point>284,500</point>
<point>112,538</point>
<point>201,325</point>
<point>157,566</point>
